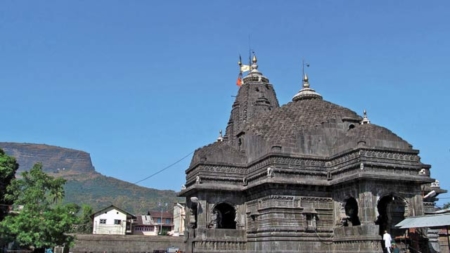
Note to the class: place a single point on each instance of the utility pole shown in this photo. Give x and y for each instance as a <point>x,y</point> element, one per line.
<point>161,221</point>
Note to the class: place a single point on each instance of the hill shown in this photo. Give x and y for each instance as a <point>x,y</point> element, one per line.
<point>84,185</point>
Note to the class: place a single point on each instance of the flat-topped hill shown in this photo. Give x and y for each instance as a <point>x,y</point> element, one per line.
<point>84,185</point>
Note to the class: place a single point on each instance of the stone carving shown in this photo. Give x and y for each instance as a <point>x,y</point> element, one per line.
<point>391,155</point>
<point>192,220</point>
<point>183,187</point>
<point>423,172</point>
<point>435,184</point>
<point>342,217</point>
<point>213,221</point>
<point>244,181</point>
<point>269,172</point>
<point>198,180</point>
<point>361,166</point>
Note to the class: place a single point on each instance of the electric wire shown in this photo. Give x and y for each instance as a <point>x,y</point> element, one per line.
<point>165,168</point>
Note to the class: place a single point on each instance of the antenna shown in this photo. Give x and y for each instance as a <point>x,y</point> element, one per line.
<point>303,67</point>
<point>250,51</point>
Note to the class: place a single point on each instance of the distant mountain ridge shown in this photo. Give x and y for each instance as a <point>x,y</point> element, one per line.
<point>84,185</point>
<point>53,158</point>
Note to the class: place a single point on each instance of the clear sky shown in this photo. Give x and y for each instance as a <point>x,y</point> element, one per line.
<point>141,84</point>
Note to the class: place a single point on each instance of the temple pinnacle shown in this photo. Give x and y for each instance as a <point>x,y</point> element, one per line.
<point>220,138</point>
<point>305,81</point>
<point>306,92</point>
<point>365,120</point>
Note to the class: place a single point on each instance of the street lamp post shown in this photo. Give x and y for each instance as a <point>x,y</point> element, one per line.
<point>161,221</point>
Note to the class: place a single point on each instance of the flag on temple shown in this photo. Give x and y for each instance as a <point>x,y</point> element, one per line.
<point>239,79</point>
<point>245,68</point>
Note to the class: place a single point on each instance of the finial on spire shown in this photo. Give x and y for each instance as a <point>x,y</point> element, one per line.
<point>365,120</point>
<point>254,60</point>
<point>305,81</point>
<point>220,138</point>
<point>240,61</point>
<point>306,92</point>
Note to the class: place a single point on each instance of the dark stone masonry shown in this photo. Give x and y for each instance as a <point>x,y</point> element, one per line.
<point>309,176</point>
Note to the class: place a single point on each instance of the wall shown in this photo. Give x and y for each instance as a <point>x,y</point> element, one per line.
<point>178,218</point>
<point>110,228</point>
<point>124,243</point>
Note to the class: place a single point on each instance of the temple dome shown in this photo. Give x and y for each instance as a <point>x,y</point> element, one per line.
<point>373,136</point>
<point>315,127</point>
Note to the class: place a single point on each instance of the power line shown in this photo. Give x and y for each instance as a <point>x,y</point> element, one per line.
<point>165,168</point>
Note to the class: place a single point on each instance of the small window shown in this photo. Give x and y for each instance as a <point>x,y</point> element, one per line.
<point>158,220</point>
<point>102,221</point>
<point>117,222</point>
<point>167,221</point>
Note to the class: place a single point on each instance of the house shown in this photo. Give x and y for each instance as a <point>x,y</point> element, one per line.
<point>163,221</point>
<point>112,220</point>
<point>179,214</point>
<point>145,225</point>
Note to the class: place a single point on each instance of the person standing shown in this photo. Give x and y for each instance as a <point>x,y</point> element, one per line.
<point>387,241</point>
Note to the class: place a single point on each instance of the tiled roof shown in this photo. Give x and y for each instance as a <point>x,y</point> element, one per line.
<point>308,126</point>
<point>219,152</point>
<point>318,127</point>
<point>373,136</point>
<point>144,220</point>
<point>157,214</point>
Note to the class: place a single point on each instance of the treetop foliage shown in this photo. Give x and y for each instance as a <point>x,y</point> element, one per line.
<point>42,222</point>
<point>8,168</point>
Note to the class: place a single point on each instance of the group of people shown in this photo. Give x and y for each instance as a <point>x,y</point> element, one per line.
<point>388,245</point>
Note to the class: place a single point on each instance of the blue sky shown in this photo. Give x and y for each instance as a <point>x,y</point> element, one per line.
<point>141,84</point>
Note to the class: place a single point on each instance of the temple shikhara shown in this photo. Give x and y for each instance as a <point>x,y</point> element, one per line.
<point>308,176</point>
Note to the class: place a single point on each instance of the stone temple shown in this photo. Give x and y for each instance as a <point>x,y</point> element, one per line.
<point>308,176</point>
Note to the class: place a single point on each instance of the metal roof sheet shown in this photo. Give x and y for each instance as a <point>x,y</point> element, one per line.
<point>425,221</point>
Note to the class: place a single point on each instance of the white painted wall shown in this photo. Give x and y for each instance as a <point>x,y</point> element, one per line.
<point>179,214</point>
<point>110,214</point>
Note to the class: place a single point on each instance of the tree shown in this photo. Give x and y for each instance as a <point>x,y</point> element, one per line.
<point>42,222</point>
<point>85,225</point>
<point>446,205</point>
<point>8,168</point>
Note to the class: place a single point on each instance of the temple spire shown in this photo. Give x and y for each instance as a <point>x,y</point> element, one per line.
<point>306,92</point>
<point>254,74</point>
<point>220,138</point>
<point>365,120</point>
<point>305,81</point>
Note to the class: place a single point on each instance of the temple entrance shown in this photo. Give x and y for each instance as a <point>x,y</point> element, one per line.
<point>391,211</point>
<point>351,210</point>
<point>225,216</point>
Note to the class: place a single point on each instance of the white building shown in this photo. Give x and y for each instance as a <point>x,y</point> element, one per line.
<point>112,220</point>
<point>179,214</point>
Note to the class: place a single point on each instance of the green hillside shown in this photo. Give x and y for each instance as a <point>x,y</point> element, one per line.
<point>85,185</point>
<point>100,191</point>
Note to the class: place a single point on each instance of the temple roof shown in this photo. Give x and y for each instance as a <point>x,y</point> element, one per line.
<point>319,128</point>
<point>219,152</point>
<point>308,126</point>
